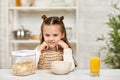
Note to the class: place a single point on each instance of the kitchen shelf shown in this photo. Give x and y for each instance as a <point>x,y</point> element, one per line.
<point>24,41</point>
<point>42,8</point>
<point>30,18</point>
<point>33,41</point>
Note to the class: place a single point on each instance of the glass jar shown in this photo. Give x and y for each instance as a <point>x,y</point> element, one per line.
<point>27,2</point>
<point>23,62</point>
<point>69,32</point>
<point>18,3</point>
<point>58,3</point>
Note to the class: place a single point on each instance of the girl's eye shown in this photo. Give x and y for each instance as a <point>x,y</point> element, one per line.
<point>47,35</point>
<point>55,35</point>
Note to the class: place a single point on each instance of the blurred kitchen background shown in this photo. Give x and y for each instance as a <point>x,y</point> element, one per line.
<point>85,20</point>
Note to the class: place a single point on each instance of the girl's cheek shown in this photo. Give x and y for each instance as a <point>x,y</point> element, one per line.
<point>57,40</point>
<point>46,39</point>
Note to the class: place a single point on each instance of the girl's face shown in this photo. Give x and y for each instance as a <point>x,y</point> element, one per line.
<point>52,34</point>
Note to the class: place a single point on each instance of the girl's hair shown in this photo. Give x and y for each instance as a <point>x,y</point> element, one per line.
<point>54,20</point>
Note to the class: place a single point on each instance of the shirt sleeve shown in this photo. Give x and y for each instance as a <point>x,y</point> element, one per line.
<point>38,53</point>
<point>67,56</point>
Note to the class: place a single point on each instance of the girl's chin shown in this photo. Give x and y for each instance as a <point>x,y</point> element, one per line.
<point>52,46</point>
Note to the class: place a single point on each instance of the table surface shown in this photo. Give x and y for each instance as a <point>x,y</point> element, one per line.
<point>79,74</point>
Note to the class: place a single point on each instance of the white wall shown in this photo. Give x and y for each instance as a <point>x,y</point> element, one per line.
<point>93,16</point>
<point>4,46</point>
<point>92,19</point>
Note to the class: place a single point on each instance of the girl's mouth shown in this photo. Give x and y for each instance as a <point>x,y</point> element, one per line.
<point>51,43</point>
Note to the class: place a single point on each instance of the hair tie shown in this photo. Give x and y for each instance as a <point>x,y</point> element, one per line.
<point>61,18</point>
<point>44,17</point>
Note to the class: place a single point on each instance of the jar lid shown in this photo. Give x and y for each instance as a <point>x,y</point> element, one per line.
<point>23,53</point>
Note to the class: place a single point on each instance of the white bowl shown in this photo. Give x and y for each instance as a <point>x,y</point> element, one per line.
<point>60,67</point>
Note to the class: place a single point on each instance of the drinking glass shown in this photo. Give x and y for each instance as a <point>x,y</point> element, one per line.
<point>95,64</point>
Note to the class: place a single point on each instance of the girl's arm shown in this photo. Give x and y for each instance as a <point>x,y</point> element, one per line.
<point>67,56</point>
<point>38,50</point>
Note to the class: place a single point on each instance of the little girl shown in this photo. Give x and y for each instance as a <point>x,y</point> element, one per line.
<point>54,44</point>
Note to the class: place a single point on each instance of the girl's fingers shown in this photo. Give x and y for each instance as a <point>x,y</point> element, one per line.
<point>57,47</point>
<point>46,48</point>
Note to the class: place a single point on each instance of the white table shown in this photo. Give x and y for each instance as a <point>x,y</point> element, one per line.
<point>105,74</point>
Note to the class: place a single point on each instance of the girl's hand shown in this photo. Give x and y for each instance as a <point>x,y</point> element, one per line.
<point>62,44</point>
<point>43,47</point>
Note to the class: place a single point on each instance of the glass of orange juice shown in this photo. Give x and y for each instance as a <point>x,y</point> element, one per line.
<point>95,64</point>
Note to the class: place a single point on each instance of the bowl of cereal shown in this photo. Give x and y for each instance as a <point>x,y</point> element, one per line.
<point>60,67</point>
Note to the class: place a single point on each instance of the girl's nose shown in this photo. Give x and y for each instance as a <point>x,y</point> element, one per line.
<point>51,38</point>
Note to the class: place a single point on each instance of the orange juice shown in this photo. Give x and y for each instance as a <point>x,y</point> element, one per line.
<point>94,65</point>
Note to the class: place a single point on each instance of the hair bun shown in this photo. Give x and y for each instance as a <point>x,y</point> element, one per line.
<point>61,18</point>
<point>44,17</point>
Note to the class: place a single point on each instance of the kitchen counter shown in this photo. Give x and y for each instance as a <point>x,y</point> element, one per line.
<point>105,74</point>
